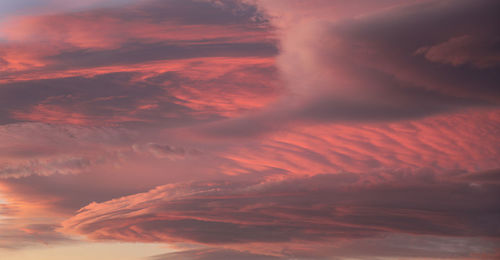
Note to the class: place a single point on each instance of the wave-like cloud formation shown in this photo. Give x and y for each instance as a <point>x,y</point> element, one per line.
<point>318,208</point>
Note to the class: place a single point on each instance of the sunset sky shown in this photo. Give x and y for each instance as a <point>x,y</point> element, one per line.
<point>249,129</point>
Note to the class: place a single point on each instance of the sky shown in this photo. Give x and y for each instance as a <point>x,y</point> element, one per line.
<point>249,129</point>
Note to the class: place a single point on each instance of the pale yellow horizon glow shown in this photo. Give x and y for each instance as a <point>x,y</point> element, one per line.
<point>87,251</point>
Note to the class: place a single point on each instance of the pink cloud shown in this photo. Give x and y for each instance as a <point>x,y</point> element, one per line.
<point>462,50</point>
<point>440,143</point>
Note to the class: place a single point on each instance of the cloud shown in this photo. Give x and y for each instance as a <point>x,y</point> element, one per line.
<point>368,68</point>
<point>387,246</point>
<point>440,143</point>
<point>170,152</point>
<point>115,156</point>
<point>463,50</point>
<point>400,246</point>
<point>372,56</point>
<point>64,167</point>
<point>170,98</point>
<point>149,21</point>
<point>19,230</point>
<point>137,53</point>
<point>214,254</point>
<point>318,208</point>
<point>80,100</point>
<point>30,235</point>
<point>56,149</point>
<point>86,66</point>
<point>6,210</point>
<point>134,33</point>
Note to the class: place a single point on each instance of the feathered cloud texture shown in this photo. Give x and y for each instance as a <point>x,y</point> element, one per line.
<point>252,129</point>
<point>305,209</point>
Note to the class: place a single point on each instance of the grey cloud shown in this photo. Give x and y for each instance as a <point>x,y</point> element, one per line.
<point>62,165</point>
<point>133,53</point>
<point>100,98</point>
<point>116,98</point>
<point>171,152</point>
<point>225,12</point>
<point>13,237</point>
<point>387,43</point>
<point>214,254</point>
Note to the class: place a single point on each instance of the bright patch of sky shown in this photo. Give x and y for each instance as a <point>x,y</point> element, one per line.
<point>86,251</point>
<point>9,8</point>
<point>2,201</point>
